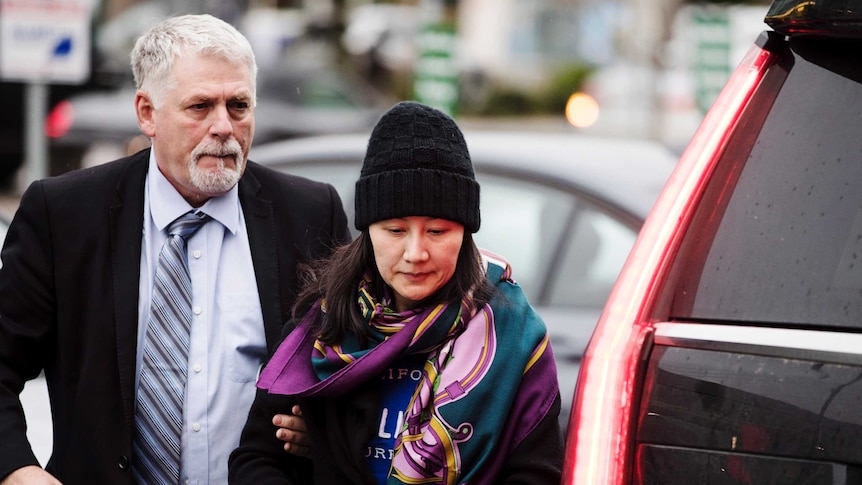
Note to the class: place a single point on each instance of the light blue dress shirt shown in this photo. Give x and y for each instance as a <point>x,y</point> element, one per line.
<point>228,343</point>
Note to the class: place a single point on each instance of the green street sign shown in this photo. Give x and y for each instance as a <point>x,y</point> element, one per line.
<point>436,74</point>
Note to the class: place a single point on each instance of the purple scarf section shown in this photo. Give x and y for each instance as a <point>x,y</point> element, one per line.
<point>290,369</point>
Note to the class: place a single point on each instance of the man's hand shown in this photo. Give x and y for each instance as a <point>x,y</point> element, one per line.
<point>293,432</point>
<point>30,475</point>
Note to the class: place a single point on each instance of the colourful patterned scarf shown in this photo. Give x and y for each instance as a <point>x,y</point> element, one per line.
<point>489,378</point>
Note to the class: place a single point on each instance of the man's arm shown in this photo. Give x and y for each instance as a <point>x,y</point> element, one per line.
<point>26,313</point>
<point>260,458</point>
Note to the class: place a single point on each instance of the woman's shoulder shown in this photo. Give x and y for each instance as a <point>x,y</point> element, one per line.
<point>497,267</point>
<point>510,304</point>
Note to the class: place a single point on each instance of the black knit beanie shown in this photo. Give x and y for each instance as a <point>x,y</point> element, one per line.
<point>417,164</point>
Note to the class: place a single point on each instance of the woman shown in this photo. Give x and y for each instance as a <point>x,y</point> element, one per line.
<point>415,358</point>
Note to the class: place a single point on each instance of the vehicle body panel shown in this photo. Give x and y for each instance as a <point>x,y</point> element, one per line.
<point>729,350</point>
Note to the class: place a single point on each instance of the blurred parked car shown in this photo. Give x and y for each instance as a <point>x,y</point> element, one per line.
<point>562,208</point>
<point>730,350</point>
<point>291,103</point>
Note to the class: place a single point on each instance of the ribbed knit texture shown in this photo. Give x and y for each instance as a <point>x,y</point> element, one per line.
<point>417,164</point>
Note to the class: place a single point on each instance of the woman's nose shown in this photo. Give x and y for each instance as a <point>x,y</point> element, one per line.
<point>415,249</point>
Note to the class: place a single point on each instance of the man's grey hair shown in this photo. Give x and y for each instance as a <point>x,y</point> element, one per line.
<point>156,50</point>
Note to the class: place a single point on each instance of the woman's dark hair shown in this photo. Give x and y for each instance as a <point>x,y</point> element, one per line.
<point>336,279</point>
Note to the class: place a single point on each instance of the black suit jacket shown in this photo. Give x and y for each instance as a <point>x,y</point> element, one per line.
<point>69,300</point>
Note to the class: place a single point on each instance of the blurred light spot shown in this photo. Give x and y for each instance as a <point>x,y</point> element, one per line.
<point>59,120</point>
<point>582,110</point>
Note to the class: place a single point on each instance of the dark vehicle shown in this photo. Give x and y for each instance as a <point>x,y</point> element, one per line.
<point>291,103</point>
<point>562,208</point>
<point>730,350</point>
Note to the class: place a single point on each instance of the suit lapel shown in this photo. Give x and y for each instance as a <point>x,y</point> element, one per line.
<point>126,217</point>
<point>261,227</point>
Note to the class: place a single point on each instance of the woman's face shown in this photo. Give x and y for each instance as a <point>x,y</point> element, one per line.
<point>415,255</point>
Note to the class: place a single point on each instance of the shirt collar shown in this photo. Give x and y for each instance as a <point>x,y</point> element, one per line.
<point>166,204</point>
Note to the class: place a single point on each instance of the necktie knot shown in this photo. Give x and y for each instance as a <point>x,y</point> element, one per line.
<point>187,224</point>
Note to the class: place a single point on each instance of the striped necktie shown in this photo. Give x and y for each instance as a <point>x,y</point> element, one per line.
<point>162,381</point>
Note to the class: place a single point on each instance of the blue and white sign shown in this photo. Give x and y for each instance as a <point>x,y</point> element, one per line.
<point>45,40</point>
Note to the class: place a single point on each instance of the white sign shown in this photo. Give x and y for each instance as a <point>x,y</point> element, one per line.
<point>45,40</point>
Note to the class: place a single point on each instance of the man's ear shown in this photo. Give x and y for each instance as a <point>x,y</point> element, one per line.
<point>146,112</point>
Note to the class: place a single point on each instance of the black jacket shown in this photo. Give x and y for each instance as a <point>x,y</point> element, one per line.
<point>69,300</point>
<point>340,430</point>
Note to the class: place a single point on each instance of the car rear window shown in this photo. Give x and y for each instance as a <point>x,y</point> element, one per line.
<point>777,238</point>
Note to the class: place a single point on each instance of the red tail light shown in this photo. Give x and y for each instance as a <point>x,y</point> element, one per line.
<point>59,120</point>
<point>600,447</point>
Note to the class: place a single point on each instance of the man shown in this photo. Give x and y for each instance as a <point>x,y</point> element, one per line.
<point>83,260</point>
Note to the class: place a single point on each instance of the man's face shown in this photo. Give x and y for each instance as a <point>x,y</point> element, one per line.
<point>204,127</point>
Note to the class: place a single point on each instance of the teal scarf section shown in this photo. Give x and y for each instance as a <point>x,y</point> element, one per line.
<point>488,378</point>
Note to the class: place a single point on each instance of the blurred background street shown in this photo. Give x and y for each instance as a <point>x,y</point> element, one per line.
<point>623,69</point>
